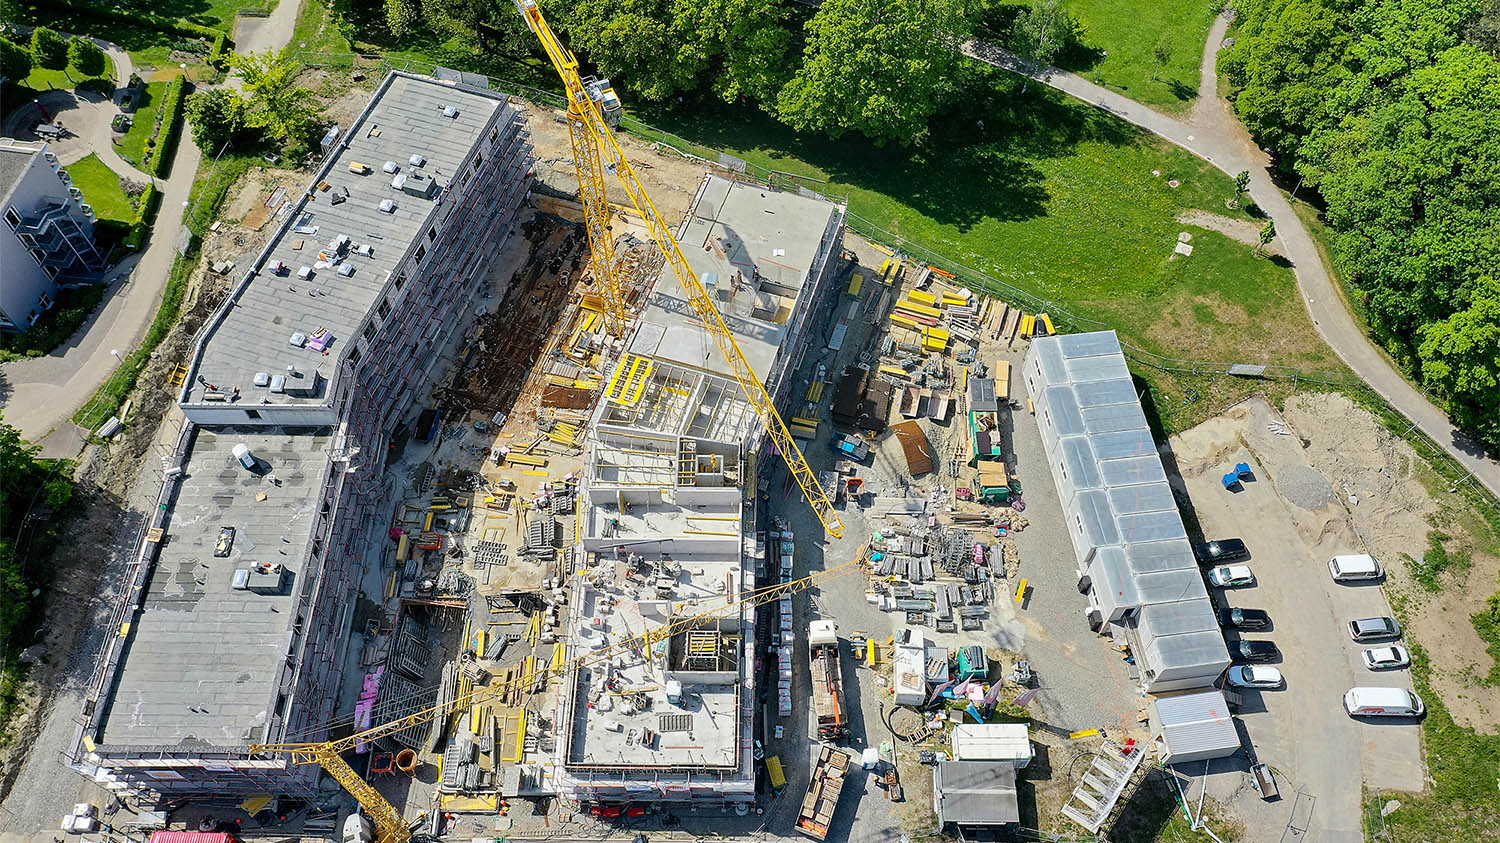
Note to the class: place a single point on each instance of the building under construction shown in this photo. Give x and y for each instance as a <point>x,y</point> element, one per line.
<point>669,515</point>
<point>233,626</point>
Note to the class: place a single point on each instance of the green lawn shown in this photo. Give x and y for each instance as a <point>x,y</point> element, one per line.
<point>1122,36</point>
<point>1059,200</point>
<point>315,31</point>
<point>101,189</point>
<point>133,145</point>
<point>42,79</point>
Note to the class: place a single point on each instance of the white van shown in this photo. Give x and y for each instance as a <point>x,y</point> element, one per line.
<point>1383,702</point>
<point>1356,566</point>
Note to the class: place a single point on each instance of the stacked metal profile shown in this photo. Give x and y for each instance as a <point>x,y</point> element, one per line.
<point>787,550</point>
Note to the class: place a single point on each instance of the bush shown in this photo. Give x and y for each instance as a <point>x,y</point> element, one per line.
<point>86,56</point>
<point>74,304</point>
<point>48,49</point>
<point>15,60</point>
<point>171,123</point>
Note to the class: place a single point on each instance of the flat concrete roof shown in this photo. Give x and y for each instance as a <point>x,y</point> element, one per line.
<point>703,732</point>
<point>405,117</point>
<point>201,666</point>
<point>13,163</point>
<point>734,232</point>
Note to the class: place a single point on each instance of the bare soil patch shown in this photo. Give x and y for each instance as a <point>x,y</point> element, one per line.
<point>1243,230</point>
<point>1393,502</point>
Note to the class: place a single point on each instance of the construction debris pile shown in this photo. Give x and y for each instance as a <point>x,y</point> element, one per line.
<point>940,576</point>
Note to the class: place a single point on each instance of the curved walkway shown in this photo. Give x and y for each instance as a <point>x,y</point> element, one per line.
<point>42,393</point>
<point>1213,133</point>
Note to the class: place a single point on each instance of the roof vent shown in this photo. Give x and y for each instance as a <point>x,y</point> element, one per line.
<point>417,160</point>
<point>450,112</point>
<point>345,269</point>
<point>399,181</point>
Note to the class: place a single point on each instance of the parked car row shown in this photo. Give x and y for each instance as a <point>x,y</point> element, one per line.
<point>1250,658</point>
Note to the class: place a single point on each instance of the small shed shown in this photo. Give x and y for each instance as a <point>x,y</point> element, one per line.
<point>982,396</point>
<point>1194,726</point>
<point>975,794</point>
<point>1009,742</point>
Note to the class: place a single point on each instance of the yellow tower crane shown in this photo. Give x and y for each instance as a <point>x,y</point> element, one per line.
<point>389,826</point>
<point>585,118</point>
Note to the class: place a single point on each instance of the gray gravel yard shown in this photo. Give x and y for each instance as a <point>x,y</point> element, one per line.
<point>1303,731</point>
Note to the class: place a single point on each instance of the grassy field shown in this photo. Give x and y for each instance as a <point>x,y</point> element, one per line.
<point>1123,35</point>
<point>217,13</point>
<point>1064,203</point>
<point>42,79</point>
<point>315,31</point>
<point>133,145</point>
<point>101,189</point>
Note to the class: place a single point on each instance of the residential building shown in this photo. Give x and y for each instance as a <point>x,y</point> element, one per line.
<point>48,237</point>
<point>234,626</point>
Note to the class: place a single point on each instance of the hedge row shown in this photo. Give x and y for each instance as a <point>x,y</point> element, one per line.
<point>171,123</point>
<point>218,39</point>
<point>145,213</point>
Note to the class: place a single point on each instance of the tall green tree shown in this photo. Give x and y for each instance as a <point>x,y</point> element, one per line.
<point>1461,361</point>
<point>878,67</point>
<point>15,60</point>
<point>286,113</point>
<point>1043,30</point>
<point>86,56</point>
<point>661,48</point>
<point>48,49</point>
<point>400,16</point>
<point>1284,66</point>
<point>25,482</point>
<point>1413,188</point>
<point>217,116</point>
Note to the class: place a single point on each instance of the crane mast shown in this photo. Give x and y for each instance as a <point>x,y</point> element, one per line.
<point>699,298</point>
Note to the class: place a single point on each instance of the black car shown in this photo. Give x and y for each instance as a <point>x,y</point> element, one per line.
<point>1244,619</point>
<point>1253,652</point>
<point>1220,551</point>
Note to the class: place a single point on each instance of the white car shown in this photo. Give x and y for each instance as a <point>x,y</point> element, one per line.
<point>1255,676</point>
<point>1231,576</point>
<point>1387,658</point>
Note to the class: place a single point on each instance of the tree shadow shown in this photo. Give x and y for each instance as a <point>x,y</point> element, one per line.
<point>1181,90</point>
<point>978,163</point>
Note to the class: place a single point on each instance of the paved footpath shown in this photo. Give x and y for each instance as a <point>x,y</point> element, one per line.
<point>1213,133</point>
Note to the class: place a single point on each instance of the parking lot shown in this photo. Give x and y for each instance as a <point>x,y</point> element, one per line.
<point>1293,521</point>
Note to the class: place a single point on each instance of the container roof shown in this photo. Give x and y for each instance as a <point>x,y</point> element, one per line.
<point>1110,473</point>
<point>976,793</point>
<point>1198,723</point>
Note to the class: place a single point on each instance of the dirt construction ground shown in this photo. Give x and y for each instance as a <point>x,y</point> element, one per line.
<point>1329,479</point>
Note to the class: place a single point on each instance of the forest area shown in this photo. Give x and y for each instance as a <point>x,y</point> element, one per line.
<point>1390,109</point>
